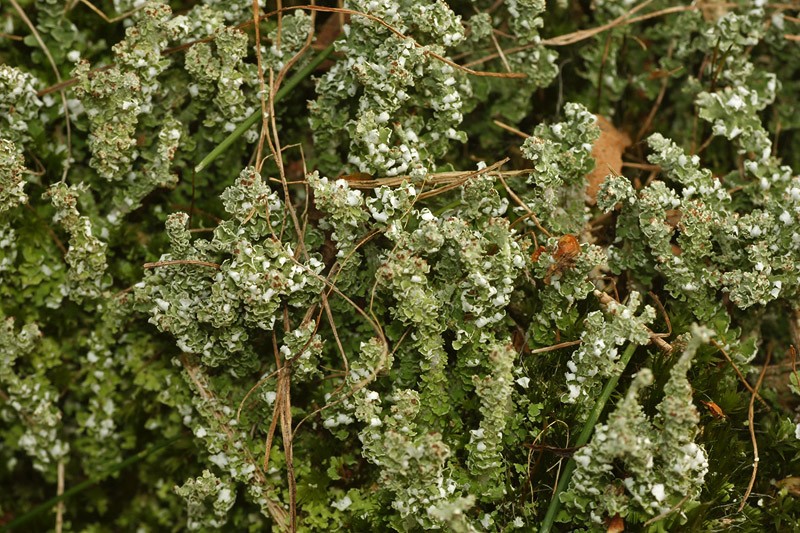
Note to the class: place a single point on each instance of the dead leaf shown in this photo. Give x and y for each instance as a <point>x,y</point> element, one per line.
<point>713,10</point>
<point>607,153</point>
<point>615,525</point>
<point>331,29</point>
<point>791,484</point>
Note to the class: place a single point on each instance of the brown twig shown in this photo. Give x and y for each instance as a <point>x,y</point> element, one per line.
<point>663,312</point>
<point>657,104</point>
<point>401,35</point>
<point>46,50</point>
<point>641,166</point>
<point>511,129</point>
<point>655,338</point>
<point>105,17</point>
<point>459,181</point>
<point>742,379</point>
<point>558,346</point>
<point>667,512</point>
<point>522,204</point>
<point>581,35</point>
<point>751,424</point>
<point>60,492</point>
<point>198,379</point>
<point>262,92</point>
<point>532,449</point>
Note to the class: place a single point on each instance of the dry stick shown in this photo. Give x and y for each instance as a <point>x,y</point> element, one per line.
<point>438,178</point>
<point>499,51</point>
<point>334,274</point>
<point>401,35</point>
<point>260,382</point>
<point>641,166</point>
<point>332,323</point>
<point>274,420</point>
<point>52,62</point>
<point>751,424</point>
<point>558,346</point>
<point>456,184</point>
<point>59,493</point>
<point>261,86</point>
<point>623,19</point>
<point>657,104</point>
<point>664,314</point>
<point>105,17</point>
<point>655,338</point>
<point>532,449</point>
<point>522,204</point>
<point>283,404</point>
<point>196,376</point>
<point>606,51</point>
<point>274,138</point>
<point>739,373</point>
<point>512,129</point>
<point>667,512</point>
<point>288,448</point>
<point>793,357</point>
<point>581,35</point>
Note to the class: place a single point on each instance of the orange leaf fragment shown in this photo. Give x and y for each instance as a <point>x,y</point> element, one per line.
<point>715,410</point>
<point>615,524</point>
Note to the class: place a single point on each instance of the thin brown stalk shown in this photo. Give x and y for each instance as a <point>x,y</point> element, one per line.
<point>261,85</point>
<point>558,346</point>
<point>401,35</point>
<point>511,129</point>
<point>60,492</point>
<point>640,166</point>
<point>581,35</point>
<point>751,425</point>
<point>667,512</point>
<point>656,105</point>
<point>199,381</point>
<point>739,374</point>
<point>105,17</point>
<point>520,202</point>
<point>655,338</point>
<point>255,387</point>
<point>52,62</point>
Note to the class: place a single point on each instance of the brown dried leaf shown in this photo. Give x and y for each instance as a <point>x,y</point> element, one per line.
<point>607,152</point>
<point>713,10</point>
<point>330,30</point>
<point>791,484</point>
<point>615,525</point>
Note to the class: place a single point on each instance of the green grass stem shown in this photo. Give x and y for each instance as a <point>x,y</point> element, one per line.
<point>583,438</point>
<point>75,489</point>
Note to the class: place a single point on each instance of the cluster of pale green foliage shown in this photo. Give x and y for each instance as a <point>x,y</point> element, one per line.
<point>385,328</point>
